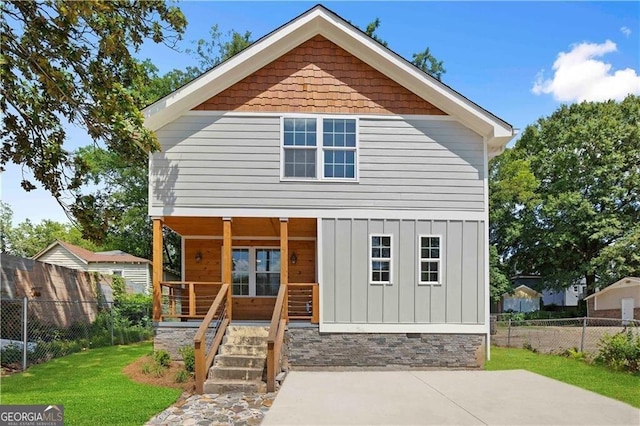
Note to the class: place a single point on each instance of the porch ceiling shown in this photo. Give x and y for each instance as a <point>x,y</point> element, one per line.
<point>240,226</point>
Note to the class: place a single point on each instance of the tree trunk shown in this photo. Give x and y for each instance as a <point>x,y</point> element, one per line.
<point>591,284</point>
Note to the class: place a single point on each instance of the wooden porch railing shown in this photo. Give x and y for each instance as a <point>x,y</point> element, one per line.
<point>276,337</point>
<point>302,301</point>
<point>183,293</point>
<point>204,353</point>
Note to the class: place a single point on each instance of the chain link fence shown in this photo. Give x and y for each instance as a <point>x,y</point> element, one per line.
<point>36,331</point>
<point>558,335</point>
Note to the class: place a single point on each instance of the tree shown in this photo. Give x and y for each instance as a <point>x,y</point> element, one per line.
<point>6,219</point>
<point>116,208</point>
<point>70,62</point>
<point>498,281</point>
<point>423,60</point>
<point>206,49</point>
<point>27,239</point>
<point>567,196</point>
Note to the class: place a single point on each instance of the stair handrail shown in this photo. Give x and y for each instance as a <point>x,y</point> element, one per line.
<point>276,337</point>
<point>204,357</point>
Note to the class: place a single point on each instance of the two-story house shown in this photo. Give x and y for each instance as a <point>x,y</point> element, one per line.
<point>321,160</point>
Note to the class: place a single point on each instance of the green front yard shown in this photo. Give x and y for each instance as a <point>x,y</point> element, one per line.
<point>92,387</point>
<point>618,385</point>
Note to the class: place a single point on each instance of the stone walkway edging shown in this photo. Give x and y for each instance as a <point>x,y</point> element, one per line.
<point>216,409</point>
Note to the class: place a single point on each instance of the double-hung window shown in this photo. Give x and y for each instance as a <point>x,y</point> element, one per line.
<point>300,149</point>
<point>380,259</point>
<point>430,268</point>
<point>319,148</point>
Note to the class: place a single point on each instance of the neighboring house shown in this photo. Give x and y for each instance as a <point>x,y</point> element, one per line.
<point>135,270</point>
<point>318,156</point>
<point>522,299</point>
<point>619,300</point>
<point>568,297</point>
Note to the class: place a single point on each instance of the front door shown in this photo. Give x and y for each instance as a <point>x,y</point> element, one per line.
<point>256,271</point>
<point>627,309</point>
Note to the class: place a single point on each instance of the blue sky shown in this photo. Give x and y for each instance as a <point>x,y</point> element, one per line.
<point>519,60</point>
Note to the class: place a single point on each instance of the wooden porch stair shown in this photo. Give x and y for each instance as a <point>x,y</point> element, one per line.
<point>240,364</point>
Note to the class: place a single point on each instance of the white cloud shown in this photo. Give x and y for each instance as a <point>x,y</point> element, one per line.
<point>626,31</point>
<point>577,76</point>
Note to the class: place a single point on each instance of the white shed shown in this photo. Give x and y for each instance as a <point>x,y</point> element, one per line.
<point>523,299</point>
<point>619,300</point>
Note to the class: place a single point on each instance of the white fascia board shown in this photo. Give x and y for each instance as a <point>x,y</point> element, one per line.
<point>403,328</point>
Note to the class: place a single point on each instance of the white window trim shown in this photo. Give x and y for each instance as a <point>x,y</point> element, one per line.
<point>320,149</point>
<point>113,272</point>
<point>383,259</point>
<point>253,269</point>
<point>439,260</point>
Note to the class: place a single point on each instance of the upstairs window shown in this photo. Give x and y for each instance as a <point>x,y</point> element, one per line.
<point>430,259</point>
<point>319,148</point>
<point>339,146</point>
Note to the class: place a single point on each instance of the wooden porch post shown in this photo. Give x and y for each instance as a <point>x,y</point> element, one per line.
<point>157,269</point>
<point>284,263</point>
<point>227,262</point>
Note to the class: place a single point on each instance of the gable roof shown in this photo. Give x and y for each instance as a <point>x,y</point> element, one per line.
<point>623,283</point>
<point>88,256</point>
<point>321,21</point>
<point>523,290</point>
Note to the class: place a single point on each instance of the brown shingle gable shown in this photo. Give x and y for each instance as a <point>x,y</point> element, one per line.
<point>319,77</point>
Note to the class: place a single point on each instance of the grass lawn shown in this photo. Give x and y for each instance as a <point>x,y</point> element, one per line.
<point>91,386</point>
<point>624,387</point>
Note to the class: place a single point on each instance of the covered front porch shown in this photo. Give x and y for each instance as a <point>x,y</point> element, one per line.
<point>237,269</point>
<point>254,255</point>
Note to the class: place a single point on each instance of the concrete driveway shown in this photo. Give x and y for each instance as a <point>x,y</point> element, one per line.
<point>515,397</point>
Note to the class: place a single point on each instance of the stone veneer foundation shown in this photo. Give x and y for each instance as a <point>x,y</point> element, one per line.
<point>306,347</point>
<point>171,336</point>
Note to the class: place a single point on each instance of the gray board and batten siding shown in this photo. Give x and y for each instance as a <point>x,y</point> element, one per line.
<point>349,298</point>
<point>233,161</point>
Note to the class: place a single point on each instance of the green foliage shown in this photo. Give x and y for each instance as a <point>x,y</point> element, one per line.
<point>79,383</point>
<point>620,352</point>
<point>116,212</point>
<point>181,376</point>
<point>10,354</point>
<point>188,357</point>
<point>423,60</point>
<point>83,77</point>
<point>135,309</point>
<point>371,29</point>
<point>162,358</point>
<point>564,201</point>
<point>498,281</point>
<point>429,63</point>
<point>118,287</point>
<point>574,353</point>
<point>218,48</point>
<point>27,239</point>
